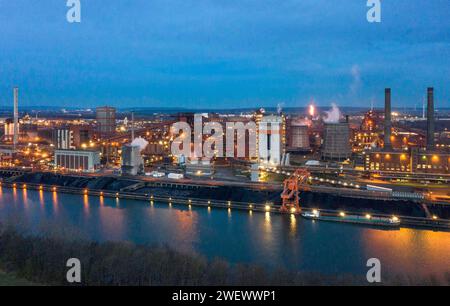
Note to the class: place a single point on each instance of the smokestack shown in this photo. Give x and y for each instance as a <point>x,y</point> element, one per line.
<point>387,119</point>
<point>132,126</point>
<point>430,119</point>
<point>16,117</point>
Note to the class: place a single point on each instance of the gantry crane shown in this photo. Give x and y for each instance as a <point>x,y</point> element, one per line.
<point>291,192</point>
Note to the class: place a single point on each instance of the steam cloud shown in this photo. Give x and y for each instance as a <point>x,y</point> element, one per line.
<point>280,108</point>
<point>356,82</point>
<point>333,115</point>
<point>140,142</point>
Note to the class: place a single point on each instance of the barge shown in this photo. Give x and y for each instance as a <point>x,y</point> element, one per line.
<point>355,219</point>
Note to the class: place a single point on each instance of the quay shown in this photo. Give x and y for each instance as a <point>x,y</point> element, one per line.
<point>406,221</point>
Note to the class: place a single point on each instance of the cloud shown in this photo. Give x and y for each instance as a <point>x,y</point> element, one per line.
<point>356,80</point>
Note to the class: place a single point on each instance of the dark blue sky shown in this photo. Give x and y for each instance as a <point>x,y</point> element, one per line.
<point>223,53</point>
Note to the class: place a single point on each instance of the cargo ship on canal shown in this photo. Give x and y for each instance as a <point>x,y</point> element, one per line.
<point>354,219</point>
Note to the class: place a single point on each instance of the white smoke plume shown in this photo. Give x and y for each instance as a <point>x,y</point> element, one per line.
<point>280,108</point>
<point>141,142</point>
<point>356,79</point>
<point>333,115</point>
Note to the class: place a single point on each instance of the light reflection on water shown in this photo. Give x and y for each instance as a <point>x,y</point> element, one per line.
<point>238,236</point>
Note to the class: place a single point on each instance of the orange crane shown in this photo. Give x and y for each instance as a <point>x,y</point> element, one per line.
<point>291,192</point>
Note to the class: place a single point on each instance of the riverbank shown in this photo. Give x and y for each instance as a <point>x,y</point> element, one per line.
<point>10,279</point>
<point>42,260</point>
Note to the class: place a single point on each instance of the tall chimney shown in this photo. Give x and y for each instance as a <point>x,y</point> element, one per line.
<point>430,119</point>
<point>16,117</point>
<point>132,126</point>
<point>387,119</point>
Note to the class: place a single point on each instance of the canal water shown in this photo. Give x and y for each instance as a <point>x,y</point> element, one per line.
<point>237,236</point>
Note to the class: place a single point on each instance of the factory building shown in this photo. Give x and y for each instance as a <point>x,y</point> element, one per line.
<point>336,143</point>
<point>388,161</point>
<point>271,140</point>
<point>298,137</point>
<point>63,138</point>
<point>415,161</point>
<point>9,129</point>
<point>82,161</point>
<point>430,162</point>
<point>132,162</point>
<point>425,160</point>
<point>106,120</point>
<point>82,134</point>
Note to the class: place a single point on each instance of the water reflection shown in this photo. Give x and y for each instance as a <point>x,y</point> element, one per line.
<point>405,248</point>
<point>239,236</point>
<point>293,225</point>
<point>86,204</point>
<point>55,201</point>
<point>25,197</point>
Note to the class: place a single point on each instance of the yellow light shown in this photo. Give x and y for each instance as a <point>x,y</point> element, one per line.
<point>394,218</point>
<point>85,191</point>
<point>342,214</point>
<point>293,210</point>
<point>267,207</point>
<point>435,217</point>
<point>315,211</point>
<point>368,216</point>
<point>24,186</point>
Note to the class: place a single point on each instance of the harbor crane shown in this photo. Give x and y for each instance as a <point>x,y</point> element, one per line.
<point>291,192</point>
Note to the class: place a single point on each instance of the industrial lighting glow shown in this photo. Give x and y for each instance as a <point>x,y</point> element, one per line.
<point>342,214</point>
<point>293,210</point>
<point>368,216</point>
<point>267,207</point>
